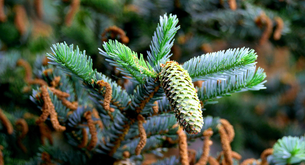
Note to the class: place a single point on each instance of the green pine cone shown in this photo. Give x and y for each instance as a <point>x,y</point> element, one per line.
<point>180,91</point>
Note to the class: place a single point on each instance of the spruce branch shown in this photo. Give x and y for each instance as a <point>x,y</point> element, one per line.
<point>145,95</point>
<point>161,124</point>
<point>122,57</point>
<point>166,161</point>
<point>72,61</point>
<point>219,63</point>
<point>289,150</point>
<point>79,64</point>
<point>162,41</point>
<point>131,145</point>
<point>242,79</point>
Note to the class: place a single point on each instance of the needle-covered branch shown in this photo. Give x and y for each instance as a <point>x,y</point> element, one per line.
<point>242,79</point>
<point>127,60</point>
<point>216,64</point>
<point>162,41</point>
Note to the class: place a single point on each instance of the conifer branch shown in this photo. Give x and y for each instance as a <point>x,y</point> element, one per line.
<point>118,141</point>
<point>122,57</point>
<point>166,161</point>
<point>161,124</point>
<point>162,41</point>
<point>145,95</point>
<point>72,61</point>
<point>288,150</point>
<point>242,79</point>
<point>151,143</point>
<point>79,64</point>
<point>217,64</point>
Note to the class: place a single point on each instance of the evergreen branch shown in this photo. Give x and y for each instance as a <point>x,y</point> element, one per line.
<point>122,57</point>
<point>151,142</point>
<point>219,63</point>
<point>63,155</point>
<point>79,64</point>
<point>8,61</point>
<point>145,95</point>
<point>242,79</point>
<point>163,105</point>
<point>289,150</point>
<point>162,124</point>
<point>119,97</point>
<point>162,41</point>
<point>72,61</point>
<point>166,161</point>
<point>115,134</point>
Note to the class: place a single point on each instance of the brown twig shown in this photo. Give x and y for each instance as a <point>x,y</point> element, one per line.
<point>55,82</point>
<point>232,4</point>
<point>183,147</point>
<point>45,132</point>
<point>24,130</point>
<point>48,108</point>
<point>96,115</point>
<point>146,100</point>
<point>92,130</point>
<point>68,104</point>
<point>40,82</point>
<point>235,155</point>
<point>249,161</point>
<point>72,11</point>
<point>1,158</point>
<point>107,96</point>
<point>263,19</point>
<point>171,141</point>
<point>229,129</point>
<point>126,154</point>
<point>191,156</point>
<point>28,69</point>
<point>7,124</point>
<point>41,29</point>
<point>225,142</point>
<point>62,96</point>
<point>143,136</point>
<point>155,108</point>
<point>206,47</point>
<point>2,14</point>
<point>206,147</point>
<point>46,158</point>
<point>39,8</point>
<point>84,140</point>
<point>58,92</point>
<point>265,154</point>
<point>118,141</point>
<point>115,31</point>
<point>279,28</point>
<point>212,161</point>
<point>45,61</point>
<point>20,19</point>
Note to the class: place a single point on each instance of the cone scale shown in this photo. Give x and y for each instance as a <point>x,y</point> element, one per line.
<point>180,92</point>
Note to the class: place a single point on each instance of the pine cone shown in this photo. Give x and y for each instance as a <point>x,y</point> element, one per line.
<point>180,91</point>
